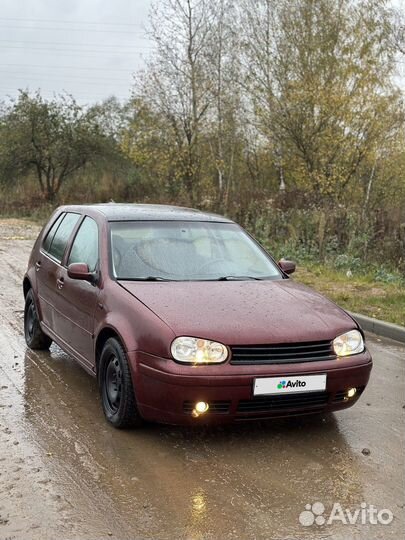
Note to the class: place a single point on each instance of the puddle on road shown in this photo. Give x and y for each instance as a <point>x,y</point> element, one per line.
<point>235,481</point>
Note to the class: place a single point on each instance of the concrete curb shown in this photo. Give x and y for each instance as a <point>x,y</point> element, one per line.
<point>381,328</point>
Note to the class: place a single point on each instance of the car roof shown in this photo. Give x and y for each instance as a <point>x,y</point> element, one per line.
<point>146,212</point>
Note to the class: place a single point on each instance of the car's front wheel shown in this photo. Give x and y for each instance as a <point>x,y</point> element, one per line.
<point>116,388</point>
<point>34,336</point>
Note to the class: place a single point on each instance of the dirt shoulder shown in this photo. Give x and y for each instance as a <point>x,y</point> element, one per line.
<point>18,229</point>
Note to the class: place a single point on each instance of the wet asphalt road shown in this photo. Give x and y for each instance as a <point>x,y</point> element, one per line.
<point>64,473</point>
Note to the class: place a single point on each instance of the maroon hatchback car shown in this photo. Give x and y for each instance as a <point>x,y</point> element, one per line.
<point>185,318</point>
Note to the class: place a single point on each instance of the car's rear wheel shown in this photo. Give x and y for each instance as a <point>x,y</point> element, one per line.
<point>34,336</point>
<point>116,388</point>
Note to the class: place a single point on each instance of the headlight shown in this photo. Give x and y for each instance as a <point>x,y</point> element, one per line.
<point>348,343</point>
<point>198,351</point>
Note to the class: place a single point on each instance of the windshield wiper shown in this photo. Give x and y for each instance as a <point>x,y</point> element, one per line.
<point>222,278</point>
<point>238,278</point>
<point>146,278</point>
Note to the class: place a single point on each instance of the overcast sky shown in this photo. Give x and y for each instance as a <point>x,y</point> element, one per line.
<point>89,48</point>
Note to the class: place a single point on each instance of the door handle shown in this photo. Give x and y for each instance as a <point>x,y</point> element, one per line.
<point>60,282</point>
<point>37,266</point>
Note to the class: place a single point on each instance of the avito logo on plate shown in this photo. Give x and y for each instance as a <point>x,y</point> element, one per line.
<point>291,384</point>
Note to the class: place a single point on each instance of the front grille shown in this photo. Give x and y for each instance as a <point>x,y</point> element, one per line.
<point>215,407</point>
<point>283,353</point>
<point>279,403</point>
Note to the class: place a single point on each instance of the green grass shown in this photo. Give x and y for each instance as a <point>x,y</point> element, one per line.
<point>359,293</point>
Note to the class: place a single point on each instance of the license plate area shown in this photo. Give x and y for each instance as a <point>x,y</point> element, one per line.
<point>265,386</point>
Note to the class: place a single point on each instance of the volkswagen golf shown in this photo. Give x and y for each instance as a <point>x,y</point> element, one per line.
<point>184,318</point>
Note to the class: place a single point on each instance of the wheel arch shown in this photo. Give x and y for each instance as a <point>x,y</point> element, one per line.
<point>26,286</point>
<point>105,333</point>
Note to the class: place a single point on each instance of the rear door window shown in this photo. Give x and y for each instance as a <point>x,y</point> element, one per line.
<point>62,235</point>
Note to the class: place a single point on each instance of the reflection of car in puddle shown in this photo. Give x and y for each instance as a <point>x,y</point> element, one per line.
<point>270,465</point>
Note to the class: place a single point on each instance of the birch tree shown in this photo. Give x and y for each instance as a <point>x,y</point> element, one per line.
<point>176,83</point>
<point>320,78</point>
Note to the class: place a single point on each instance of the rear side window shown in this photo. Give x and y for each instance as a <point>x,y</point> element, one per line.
<point>85,245</point>
<point>62,235</point>
<point>49,237</point>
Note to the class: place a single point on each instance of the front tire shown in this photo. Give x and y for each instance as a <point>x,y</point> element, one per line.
<point>34,336</point>
<point>116,388</point>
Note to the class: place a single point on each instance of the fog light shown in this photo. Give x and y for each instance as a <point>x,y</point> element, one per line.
<point>351,392</point>
<point>201,407</point>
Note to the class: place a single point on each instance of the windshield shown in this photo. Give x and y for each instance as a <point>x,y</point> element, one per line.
<point>187,251</point>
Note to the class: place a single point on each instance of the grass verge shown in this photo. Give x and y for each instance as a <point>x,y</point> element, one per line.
<point>358,293</point>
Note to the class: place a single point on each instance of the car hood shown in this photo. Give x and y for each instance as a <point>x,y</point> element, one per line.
<point>243,312</point>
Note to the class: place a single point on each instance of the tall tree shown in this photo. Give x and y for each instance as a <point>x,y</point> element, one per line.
<point>52,139</point>
<point>224,118</point>
<point>176,85</point>
<point>320,76</point>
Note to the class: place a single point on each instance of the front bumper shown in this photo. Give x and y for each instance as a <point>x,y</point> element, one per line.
<point>166,391</point>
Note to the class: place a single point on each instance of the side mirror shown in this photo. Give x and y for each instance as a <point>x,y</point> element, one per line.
<point>80,271</point>
<point>288,267</point>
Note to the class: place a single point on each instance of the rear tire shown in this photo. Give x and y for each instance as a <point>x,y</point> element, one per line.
<point>116,388</point>
<point>34,336</point>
